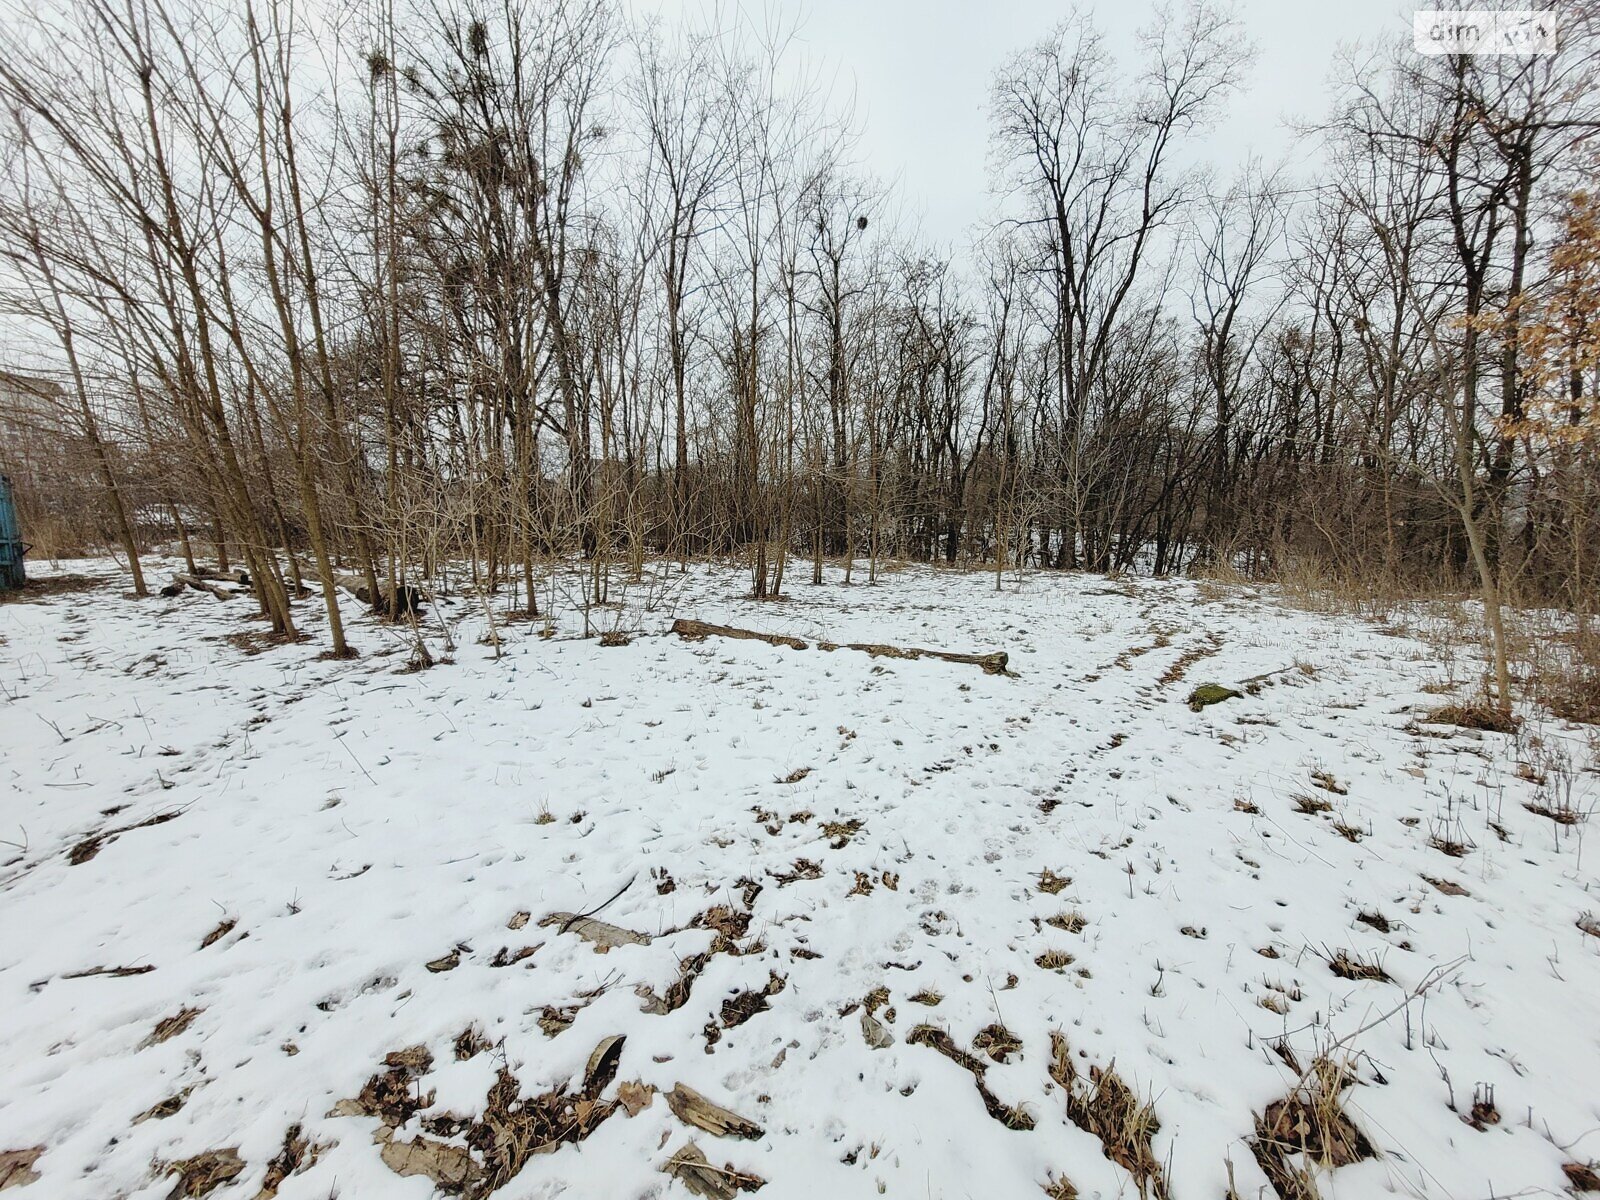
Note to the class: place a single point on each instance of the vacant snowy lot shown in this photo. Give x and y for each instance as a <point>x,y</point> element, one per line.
<point>272,924</point>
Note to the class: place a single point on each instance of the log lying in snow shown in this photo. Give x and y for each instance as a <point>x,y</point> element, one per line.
<point>356,585</point>
<point>242,578</point>
<point>181,581</point>
<point>992,664</point>
<point>696,630</point>
<point>410,598</point>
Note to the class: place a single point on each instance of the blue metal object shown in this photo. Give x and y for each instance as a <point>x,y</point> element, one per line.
<point>12,547</point>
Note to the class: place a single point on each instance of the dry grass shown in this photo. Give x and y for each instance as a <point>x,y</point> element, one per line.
<point>839,833</point>
<point>1310,805</point>
<point>1071,922</point>
<point>1051,883</point>
<point>204,1173</point>
<point>85,850</point>
<point>35,590</point>
<point>296,1155</point>
<point>1375,920</point>
<point>804,868</point>
<point>1475,715</point>
<point>1180,666</point>
<point>258,641</point>
<point>512,1129</point>
<point>1562,815</point>
<point>937,1039</point>
<point>1326,781</point>
<point>1559,662</point>
<point>728,922</point>
<point>1563,671</point>
<point>742,1006</point>
<point>1105,1106</point>
<point>1309,1122</point>
<point>170,1027</point>
<point>1348,966</point>
<point>998,1042</point>
<point>1581,1177</point>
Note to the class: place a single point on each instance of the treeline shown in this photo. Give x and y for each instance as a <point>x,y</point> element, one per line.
<point>511,282</point>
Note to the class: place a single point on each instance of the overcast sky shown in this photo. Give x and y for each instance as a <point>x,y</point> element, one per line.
<point>919,71</point>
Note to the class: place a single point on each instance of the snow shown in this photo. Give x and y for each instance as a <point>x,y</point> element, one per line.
<point>359,822</point>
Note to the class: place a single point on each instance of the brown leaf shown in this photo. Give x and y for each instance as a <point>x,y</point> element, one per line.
<point>601,934</point>
<point>16,1167</point>
<point>447,963</point>
<point>635,1097</point>
<point>448,1166</point>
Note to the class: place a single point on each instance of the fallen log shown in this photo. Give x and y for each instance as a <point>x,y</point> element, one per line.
<point>695,631</point>
<point>242,578</point>
<point>181,581</point>
<point>992,664</point>
<point>356,585</point>
<point>411,598</point>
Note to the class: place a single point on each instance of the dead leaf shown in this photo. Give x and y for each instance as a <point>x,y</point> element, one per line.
<point>872,1029</point>
<point>518,920</point>
<point>635,1096</point>
<point>297,1154</point>
<point>601,934</point>
<point>416,1059</point>
<point>448,1166</point>
<point>447,963</point>
<point>16,1167</point>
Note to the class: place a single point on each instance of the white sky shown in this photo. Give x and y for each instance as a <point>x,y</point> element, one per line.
<point>919,71</point>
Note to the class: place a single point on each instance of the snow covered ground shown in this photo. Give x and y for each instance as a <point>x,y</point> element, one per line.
<point>861,887</point>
